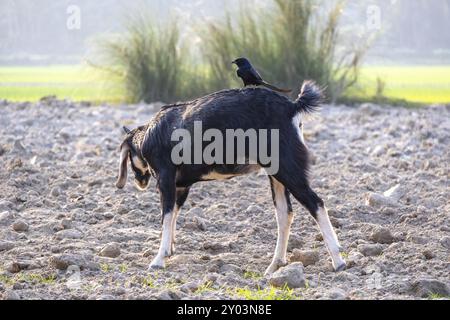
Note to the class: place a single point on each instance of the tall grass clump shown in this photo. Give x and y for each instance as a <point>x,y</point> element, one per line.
<point>145,58</point>
<point>296,40</point>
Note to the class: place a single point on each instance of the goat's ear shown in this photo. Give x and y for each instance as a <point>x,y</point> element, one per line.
<point>127,131</point>
<point>123,168</point>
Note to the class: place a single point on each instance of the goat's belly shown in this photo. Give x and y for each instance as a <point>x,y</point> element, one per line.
<point>230,172</point>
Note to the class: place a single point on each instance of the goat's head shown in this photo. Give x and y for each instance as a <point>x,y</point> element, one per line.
<point>130,151</point>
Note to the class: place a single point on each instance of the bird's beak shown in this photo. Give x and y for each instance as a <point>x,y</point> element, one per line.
<point>234,62</point>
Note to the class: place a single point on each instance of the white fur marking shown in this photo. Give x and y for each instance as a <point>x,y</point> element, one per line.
<point>122,179</point>
<point>217,176</point>
<point>139,164</point>
<point>284,220</point>
<point>166,242</point>
<point>330,238</point>
<point>296,122</point>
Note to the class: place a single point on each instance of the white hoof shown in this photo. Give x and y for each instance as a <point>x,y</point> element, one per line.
<point>274,266</point>
<point>340,267</point>
<point>157,264</point>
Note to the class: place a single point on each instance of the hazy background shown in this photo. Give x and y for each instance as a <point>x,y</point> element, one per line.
<point>35,32</point>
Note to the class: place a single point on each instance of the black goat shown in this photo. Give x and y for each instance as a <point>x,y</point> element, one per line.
<point>150,151</point>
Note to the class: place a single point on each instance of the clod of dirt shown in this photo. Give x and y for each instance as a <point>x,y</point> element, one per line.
<point>307,258</point>
<point>11,295</point>
<point>291,276</point>
<point>424,288</point>
<point>20,226</point>
<point>69,234</point>
<point>380,201</point>
<point>13,267</point>
<point>370,250</point>
<point>6,245</point>
<point>111,250</point>
<point>382,235</point>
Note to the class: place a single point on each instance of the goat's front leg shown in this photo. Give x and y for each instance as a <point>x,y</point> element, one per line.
<point>284,219</point>
<point>167,191</point>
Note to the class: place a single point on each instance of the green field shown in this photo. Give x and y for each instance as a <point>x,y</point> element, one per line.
<point>73,82</point>
<point>420,84</point>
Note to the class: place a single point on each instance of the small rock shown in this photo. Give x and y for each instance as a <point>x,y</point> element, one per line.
<point>55,192</point>
<point>254,209</point>
<point>307,258</point>
<point>11,295</point>
<point>63,261</point>
<point>382,235</point>
<point>190,286</point>
<point>6,205</point>
<point>13,267</point>
<point>106,297</point>
<point>168,295</point>
<point>291,276</point>
<point>5,217</point>
<point>147,253</point>
<point>211,277</point>
<point>230,268</point>
<point>69,234</point>
<point>395,193</point>
<point>428,254</point>
<point>18,147</point>
<point>445,242</point>
<point>417,239</point>
<point>111,250</point>
<point>66,223</point>
<point>370,250</point>
<point>123,209</point>
<point>197,223</point>
<point>6,245</point>
<point>425,287</point>
<point>379,201</point>
<point>354,258</point>
<point>337,294</point>
<point>216,246</point>
<point>345,277</point>
<point>378,151</point>
<point>20,226</point>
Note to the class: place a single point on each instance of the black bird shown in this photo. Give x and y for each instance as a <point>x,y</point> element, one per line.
<point>251,77</point>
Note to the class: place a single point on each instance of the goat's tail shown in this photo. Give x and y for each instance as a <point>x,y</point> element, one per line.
<point>310,97</point>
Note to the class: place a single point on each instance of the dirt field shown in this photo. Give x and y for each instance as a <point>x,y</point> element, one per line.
<point>59,208</point>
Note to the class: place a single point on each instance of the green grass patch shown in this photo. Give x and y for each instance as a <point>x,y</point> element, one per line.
<point>437,296</point>
<point>269,293</point>
<point>30,278</point>
<point>252,275</point>
<point>403,84</point>
<point>75,82</point>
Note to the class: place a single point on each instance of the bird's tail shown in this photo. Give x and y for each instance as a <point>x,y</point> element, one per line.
<point>271,87</point>
<point>310,97</point>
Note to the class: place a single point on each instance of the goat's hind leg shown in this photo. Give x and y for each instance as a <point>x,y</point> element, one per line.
<point>307,197</point>
<point>284,219</point>
<point>181,196</point>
